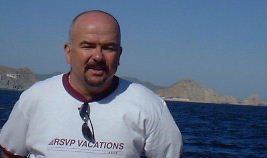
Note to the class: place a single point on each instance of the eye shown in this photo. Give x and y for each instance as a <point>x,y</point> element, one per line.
<point>110,47</point>
<point>87,45</point>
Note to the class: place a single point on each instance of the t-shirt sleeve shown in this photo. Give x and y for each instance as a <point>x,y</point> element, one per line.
<point>165,141</point>
<point>13,133</point>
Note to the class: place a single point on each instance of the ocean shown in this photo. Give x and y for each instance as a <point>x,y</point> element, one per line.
<point>209,130</point>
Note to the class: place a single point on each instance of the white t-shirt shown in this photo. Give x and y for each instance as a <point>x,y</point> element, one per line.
<point>45,122</point>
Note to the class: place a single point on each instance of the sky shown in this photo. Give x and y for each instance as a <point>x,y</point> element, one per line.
<point>220,44</point>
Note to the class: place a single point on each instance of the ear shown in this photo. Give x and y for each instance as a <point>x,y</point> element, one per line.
<point>120,52</point>
<point>67,51</point>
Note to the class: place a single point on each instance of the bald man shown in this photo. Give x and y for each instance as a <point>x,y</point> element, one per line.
<point>89,111</point>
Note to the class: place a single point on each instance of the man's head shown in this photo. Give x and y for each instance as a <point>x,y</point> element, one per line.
<point>93,50</point>
<point>94,11</point>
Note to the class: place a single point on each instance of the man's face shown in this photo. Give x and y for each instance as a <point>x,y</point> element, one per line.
<point>93,52</point>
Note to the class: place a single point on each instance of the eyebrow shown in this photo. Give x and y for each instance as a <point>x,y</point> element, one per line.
<point>105,44</point>
<point>86,43</point>
<point>112,44</point>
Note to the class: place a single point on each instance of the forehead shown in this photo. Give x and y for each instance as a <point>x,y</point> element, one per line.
<point>95,25</point>
<point>96,39</point>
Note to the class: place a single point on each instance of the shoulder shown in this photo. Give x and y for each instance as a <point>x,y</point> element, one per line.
<point>138,90</point>
<point>151,107</point>
<point>45,86</point>
<point>52,81</point>
<point>40,90</point>
<point>140,95</point>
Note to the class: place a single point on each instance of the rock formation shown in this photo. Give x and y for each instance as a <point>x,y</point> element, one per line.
<point>191,90</point>
<point>254,99</point>
<point>16,79</point>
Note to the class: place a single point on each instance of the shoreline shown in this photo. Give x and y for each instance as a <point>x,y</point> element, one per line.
<point>8,89</point>
<point>200,102</point>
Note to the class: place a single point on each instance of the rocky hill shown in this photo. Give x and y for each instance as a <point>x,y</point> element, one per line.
<point>254,99</point>
<point>16,79</point>
<point>189,90</point>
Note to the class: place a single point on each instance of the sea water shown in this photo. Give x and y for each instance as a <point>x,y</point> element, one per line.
<point>209,130</point>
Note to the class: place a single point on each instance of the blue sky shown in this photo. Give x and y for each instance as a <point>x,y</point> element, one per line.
<point>220,44</point>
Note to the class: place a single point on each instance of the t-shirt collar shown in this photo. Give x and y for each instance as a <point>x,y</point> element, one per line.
<point>80,97</point>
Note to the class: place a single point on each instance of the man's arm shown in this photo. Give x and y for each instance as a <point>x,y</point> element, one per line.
<point>12,141</point>
<point>165,141</point>
<point>6,154</point>
<point>3,155</point>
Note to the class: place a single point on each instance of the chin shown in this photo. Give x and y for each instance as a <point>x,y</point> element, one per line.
<point>95,84</point>
<point>98,82</point>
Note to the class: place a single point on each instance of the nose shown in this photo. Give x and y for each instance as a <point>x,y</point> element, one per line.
<point>98,55</point>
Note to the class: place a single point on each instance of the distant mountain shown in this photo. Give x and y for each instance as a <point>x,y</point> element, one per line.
<point>190,90</point>
<point>145,83</point>
<point>16,79</point>
<point>254,99</point>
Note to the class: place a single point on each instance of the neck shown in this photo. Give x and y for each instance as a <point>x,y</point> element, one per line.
<point>88,93</point>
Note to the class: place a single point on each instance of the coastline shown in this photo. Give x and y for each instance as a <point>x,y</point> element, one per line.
<point>8,89</point>
<point>203,102</point>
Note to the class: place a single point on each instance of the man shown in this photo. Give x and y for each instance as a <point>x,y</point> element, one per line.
<point>90,112</point>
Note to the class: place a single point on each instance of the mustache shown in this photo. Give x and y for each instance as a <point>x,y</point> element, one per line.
<point>97,66</point>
